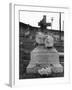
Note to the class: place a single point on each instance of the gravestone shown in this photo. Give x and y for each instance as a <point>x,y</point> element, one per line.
<point>44,54</point>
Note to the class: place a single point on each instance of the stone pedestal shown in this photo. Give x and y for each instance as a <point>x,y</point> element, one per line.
<point>41,57</point>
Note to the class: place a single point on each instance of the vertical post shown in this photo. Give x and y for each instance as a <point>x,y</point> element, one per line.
<point>63,26</point>
<point>51,22</point>
<point>60,26</point>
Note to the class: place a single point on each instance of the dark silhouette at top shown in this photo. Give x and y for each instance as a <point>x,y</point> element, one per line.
<point>43,24</point>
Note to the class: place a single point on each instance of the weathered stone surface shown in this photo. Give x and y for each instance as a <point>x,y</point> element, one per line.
<point>42,57</point>
<point>57,68</point>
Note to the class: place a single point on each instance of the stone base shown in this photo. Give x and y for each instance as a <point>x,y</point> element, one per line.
<point>42,57</point>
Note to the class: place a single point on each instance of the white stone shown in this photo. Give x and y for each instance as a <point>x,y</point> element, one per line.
<point>57,68</point>
<point>49,41</point>
<point>40,38</point>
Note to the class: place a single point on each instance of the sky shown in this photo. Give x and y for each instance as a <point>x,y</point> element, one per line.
<point>33,18</point>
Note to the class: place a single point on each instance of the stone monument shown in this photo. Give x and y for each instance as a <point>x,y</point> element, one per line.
<point>44,57</point>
